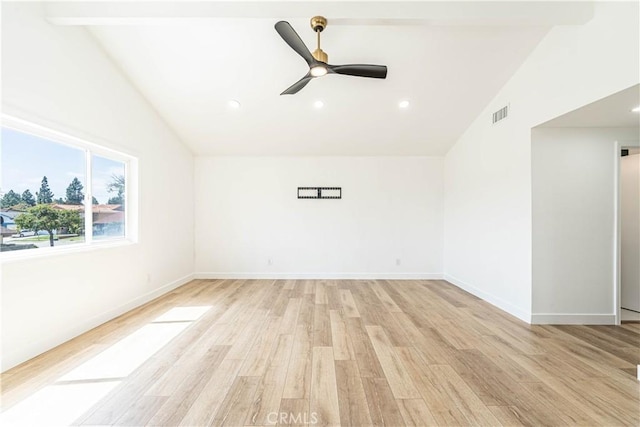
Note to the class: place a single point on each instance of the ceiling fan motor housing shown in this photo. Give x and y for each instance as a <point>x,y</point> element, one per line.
<point>320,55</point>
<point>318,23</point>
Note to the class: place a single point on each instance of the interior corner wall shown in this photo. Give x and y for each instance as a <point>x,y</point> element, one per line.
<point>61,78</point>
<point>488,210</point>
<point>250,223</point>
<point>574,214</point>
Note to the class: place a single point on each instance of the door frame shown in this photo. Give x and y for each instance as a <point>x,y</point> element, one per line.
<point>617,245</point>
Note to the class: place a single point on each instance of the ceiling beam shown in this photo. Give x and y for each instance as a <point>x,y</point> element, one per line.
<point>510,13</point>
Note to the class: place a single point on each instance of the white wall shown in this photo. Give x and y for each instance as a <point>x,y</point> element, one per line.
<point>60,77</point>
<point>247,211</point>
<point>573,194</point>
<point>630,231</point>
<point>488,171</point>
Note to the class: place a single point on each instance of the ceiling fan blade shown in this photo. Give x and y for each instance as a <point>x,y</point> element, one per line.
<point>295,88</point>
<point>360,70</point>
<point>292,38</point>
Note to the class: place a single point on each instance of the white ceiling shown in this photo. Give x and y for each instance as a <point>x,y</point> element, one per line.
<point>612,111</point>
<point>189,67</point>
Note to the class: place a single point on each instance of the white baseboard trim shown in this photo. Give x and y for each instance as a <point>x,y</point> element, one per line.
<point>491,299</point>
<point>47,343</point>
<point>138,301</point>
<point>330,276</point>
<point>572,319</point>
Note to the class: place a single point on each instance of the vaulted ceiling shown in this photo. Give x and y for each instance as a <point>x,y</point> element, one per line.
<point>190,59</point>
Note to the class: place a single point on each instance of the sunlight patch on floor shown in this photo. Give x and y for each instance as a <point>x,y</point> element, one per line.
<point>183,314</point>
<point>56,405</point>
<point>124,357</point>
<point>74,393</point>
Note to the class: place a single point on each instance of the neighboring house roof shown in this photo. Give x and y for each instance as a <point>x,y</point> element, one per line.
<point>108,217</point>
<point>94,208</point>
<point>68,207</point>
<point>107,208</point>
<point>10,213</point>
<point>8,224</point>
<point>102,214</point>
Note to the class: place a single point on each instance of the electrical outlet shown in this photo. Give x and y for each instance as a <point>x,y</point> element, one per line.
<point>397,261</point>
<point>148,277</point>
<point>270,261</point>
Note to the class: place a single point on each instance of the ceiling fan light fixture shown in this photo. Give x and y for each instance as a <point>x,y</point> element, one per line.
<point>318,71</point>
<point>403,104</point>
<point>318,104</point>
<point>317,61</point>
<point>233,104</point>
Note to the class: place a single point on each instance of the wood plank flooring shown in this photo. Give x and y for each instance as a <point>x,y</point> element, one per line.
<point>326,352</point>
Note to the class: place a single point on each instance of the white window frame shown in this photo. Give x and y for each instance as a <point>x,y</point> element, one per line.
<point>89,149</point>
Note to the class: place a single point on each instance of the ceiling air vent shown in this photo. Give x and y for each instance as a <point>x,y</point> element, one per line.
<point>501,114</point>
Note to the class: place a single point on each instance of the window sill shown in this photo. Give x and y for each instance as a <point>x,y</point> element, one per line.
<point>29,254</point>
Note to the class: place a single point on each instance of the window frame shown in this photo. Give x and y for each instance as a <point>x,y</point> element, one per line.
<point>89,150</point>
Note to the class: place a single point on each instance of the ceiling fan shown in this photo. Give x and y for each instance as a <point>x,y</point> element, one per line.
<point>317,61</point>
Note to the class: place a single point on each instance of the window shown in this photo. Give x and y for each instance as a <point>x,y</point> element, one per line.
<point>59,191</point>
<point>108,183</point>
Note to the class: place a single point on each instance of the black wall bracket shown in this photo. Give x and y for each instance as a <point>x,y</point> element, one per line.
<point>319,192</point>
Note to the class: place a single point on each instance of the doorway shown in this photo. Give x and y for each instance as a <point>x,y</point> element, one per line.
<point>576,231</point>
<point>629,234</point>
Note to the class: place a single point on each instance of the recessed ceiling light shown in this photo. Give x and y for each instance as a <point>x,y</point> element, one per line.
<point>403,104</point>
<point>318,104</point>
<point>233,104</point>
<point>637,109</point>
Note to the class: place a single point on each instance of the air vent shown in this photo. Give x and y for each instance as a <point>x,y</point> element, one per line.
<point>501,114</point>
<point>319,192</point>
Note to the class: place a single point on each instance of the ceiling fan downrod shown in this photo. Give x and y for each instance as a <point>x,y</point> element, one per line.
<point>318,24</point>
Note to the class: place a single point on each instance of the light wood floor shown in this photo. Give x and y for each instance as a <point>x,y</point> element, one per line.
<point>340,353</point>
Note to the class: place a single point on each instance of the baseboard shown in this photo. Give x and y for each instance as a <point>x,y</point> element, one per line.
<point>47,343</point>
<point>572,319</point>
<point>331,276</point>
<point>491,299</point>
<point>142,299</point>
